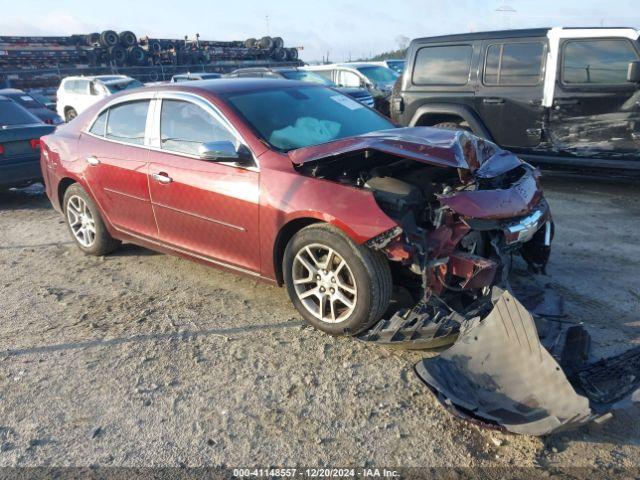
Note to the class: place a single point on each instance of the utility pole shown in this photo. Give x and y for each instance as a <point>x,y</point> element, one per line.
<point>506,11</point>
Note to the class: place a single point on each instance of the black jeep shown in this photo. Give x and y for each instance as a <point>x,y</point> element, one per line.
<point>558,97</point>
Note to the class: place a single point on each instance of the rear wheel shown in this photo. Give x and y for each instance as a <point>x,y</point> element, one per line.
<point>70,114</point>
<point>85,223</point>
<point>339,287</point>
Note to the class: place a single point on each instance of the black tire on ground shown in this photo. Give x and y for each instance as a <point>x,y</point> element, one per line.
<point>69,114</point>
<point>136,55</point>
<point>370,271</point>
<point>266,43</point>
<point>109,38</point>
<point>250,43</point>
<point>118,55</point>
<point>103,242</point>
<point>451,126</point>
<point>278,42</point>
<point>292,54</point>
<point>127,39</point>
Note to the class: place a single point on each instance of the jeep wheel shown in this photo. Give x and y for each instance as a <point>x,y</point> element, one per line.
<point>337,286</point>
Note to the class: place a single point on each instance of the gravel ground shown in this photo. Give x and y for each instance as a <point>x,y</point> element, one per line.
<point>143,359</point>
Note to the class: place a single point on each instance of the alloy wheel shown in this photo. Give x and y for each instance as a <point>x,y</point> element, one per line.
<point>324,283</point>
<point>81,221</point>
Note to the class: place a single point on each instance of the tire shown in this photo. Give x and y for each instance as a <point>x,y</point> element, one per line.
<point>118,55</point>
<point>266,43</point>
<point>100,242</point>
<point>127,39</point>
<point>69,114</point>
<point>365,272</point>
<point>109,38</point>
<point>155,46</point>
<point>279,54</point>
<point>136,55</point>
<point>93,39</point>
<point>250,43</point>
<point>292,54</point>
<point>278,42</point>
<point>451,126</point>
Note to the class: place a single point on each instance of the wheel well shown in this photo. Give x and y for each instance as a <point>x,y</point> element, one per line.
<point>284,235</point>
<point>62,188</point>
<point>430,119</point>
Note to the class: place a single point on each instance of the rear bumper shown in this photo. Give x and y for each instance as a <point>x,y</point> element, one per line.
<point>20,173</point>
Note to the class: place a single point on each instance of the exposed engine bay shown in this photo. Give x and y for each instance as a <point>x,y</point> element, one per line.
<point>465,209</point>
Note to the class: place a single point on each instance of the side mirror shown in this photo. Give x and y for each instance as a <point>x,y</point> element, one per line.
<point>224,151</point>
<point>633,72</point>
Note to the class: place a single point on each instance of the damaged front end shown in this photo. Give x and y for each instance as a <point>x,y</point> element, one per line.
<point>464,210</point>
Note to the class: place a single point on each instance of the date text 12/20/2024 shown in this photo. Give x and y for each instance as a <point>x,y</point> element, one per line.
<point>316,472</point>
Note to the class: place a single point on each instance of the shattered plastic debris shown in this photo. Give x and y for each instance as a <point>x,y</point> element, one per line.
<point>500,375</point>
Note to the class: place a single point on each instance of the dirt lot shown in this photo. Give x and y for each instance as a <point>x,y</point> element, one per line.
<point>142,359</point>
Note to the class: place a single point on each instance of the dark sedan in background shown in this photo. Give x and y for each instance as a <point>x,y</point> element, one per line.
<point>32,104</point>
<point>20,133</point>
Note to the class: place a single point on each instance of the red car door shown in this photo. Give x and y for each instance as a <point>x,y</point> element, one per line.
<point>206,208</point>
<point>117,167</point>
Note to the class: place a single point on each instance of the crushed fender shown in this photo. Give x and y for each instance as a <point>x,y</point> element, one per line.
<point>499,374</point>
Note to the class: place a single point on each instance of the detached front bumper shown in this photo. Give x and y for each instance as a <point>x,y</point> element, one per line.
<point>499,374</point>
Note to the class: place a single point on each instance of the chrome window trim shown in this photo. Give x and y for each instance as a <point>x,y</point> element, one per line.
<point>210,109</point>
<point>152,127</point>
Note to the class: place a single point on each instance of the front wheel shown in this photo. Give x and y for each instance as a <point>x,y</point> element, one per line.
<point>338,287</point>
<point>85,223</point>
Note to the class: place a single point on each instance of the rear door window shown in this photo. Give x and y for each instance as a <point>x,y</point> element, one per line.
<point>185,126</point>
<point>348,79</point>
<point>127,122</point>
<point>603,61</point>
<point>443,65</point>
<point>514,64</point>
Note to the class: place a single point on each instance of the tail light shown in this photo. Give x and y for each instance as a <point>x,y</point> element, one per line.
<point>35,143</point>
<point>1,149</point>
<point>48,121</point>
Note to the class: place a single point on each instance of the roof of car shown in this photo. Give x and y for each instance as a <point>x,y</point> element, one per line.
<point>234,85</point>
<point>11,91</point>
<point>96,77</point>
<point>529,32</point>
<point>500,34</point>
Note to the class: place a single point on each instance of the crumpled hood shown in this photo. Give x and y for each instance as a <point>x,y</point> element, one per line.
<point>434,146</point>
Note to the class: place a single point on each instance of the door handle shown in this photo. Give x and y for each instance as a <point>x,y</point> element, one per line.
<point>493,101</point>
<point>92,160</point>
<point>162,177</point>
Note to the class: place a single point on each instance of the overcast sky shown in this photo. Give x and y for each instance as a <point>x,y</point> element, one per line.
<point>342,28</point>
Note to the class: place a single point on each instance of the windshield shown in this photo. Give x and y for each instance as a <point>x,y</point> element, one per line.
<point>305,76</point>
<point>296,117</point>
<point>124,85</point>
<point>379,74</point>
<point>396,65</point>
<point>13,114</point>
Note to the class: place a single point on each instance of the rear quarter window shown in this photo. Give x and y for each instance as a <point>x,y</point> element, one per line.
<point>442,65</point>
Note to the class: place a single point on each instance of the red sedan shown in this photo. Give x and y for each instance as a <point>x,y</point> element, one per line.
<point>299,185</point>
